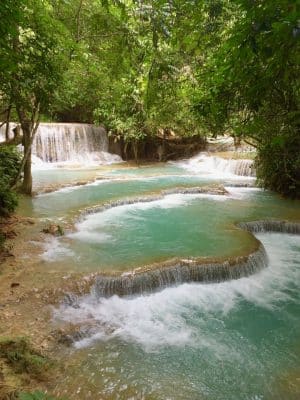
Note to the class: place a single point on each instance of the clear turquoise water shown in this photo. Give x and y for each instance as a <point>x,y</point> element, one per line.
<point>135,235</point>
<point>234,340</point>
<point>230,341</point>
<point>71,199</point>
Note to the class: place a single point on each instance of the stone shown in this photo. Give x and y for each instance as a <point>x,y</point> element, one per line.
<point>53,229</point>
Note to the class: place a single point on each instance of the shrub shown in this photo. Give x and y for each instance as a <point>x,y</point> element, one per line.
<point>10,160</point>
<point>22,358</point>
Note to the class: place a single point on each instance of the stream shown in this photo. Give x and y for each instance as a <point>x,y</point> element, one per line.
<point>234,339</point>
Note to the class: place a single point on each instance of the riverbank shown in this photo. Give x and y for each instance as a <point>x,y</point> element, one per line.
<point>27,294</point>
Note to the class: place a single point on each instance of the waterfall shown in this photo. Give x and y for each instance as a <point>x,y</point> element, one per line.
<point>271,226</point>
<point>242,167</point>
<point>205,163</point>
<point>175,272</point>
<point>70,142</point>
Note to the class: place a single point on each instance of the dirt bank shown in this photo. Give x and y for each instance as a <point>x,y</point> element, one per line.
<point>28,291</point>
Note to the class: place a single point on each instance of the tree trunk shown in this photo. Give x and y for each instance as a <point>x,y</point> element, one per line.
<point>27,179</point>
<point>29,124</point>
<point>135,151</point>
<point>7,124</point>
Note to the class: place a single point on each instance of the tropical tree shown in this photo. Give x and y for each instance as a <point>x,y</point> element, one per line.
<point>250,88</point>
<point>35,47</point>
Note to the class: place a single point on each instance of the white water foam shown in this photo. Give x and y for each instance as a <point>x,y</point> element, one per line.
<point>56,251</point>
<point>240,193</point>
<point>179,316</point>
<point>214,167</point>
<point>87,160</point>
<point>68,145</point>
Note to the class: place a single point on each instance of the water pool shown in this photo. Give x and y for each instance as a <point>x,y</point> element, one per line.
<point>232,340</point>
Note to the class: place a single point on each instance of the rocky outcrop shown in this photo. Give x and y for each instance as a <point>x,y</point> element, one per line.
<point>156,148</point>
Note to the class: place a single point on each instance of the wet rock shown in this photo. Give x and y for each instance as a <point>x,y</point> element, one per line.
<point>53,229</point>
<point>71,300</point>
<point>29,221</point>
<point>72,333</point>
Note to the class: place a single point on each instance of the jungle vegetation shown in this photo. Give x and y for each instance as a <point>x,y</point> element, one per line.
<point>198,67</point>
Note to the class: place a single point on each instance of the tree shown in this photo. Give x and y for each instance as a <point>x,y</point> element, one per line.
<point>35,61</point>
<point>127,70</point>
<point>251,88</point>
<point>10,12</point>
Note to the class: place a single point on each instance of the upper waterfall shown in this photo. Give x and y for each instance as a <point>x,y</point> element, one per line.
<point>70,142</point>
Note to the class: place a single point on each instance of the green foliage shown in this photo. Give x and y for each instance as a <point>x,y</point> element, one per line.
<point>278,164</point>
<point>250,88</point>
<point>38,53</point>
<point>126,68</point>
<point>9,166</point>
<point>10,11</point>
<point>139,67</point>
<point>22,358</point>
<point>37,395</point>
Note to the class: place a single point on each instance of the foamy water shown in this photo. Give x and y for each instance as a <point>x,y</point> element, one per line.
<point>68,145</point>
<point>179,316</point>
<point>216,167</point>
<point>55,250</point>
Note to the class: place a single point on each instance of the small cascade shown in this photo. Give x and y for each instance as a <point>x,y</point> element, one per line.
<point>242,167</point>
<point>271,226</point>
<point>218,167</point>
<point>69,142</point>
<point>175,272</point>
<point>195,190</point>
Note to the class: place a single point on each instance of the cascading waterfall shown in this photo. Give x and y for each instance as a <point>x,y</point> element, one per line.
<point>271,226</point>
<point>177,271</point>
<point>70,142</point>
<point>243,167</point>
<point>205,163</point>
